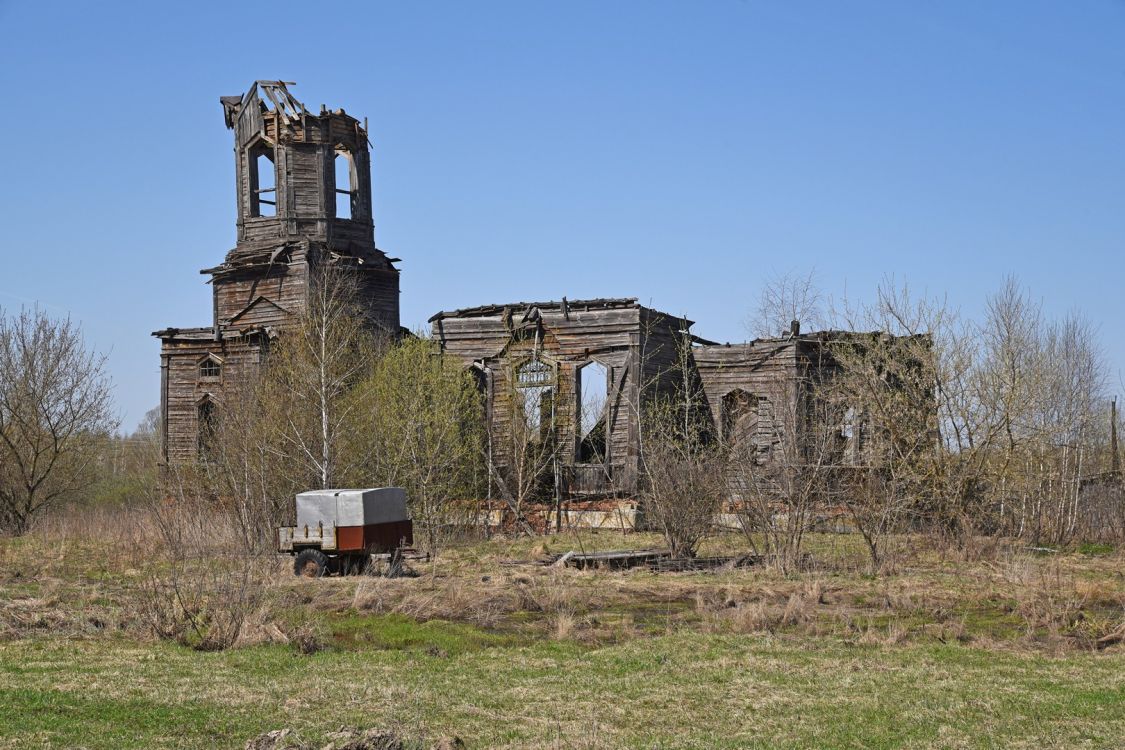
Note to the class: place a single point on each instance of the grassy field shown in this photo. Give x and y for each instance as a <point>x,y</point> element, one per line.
<point>680,690</point>
<point>998,648</point>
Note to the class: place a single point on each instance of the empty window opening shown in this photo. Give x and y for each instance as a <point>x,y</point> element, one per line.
<point>592,385</point>
<point>207,417</point>
<point>263,184</point>
<point>535,381</point>
<point>346,189</point>
<point>210,368</point>
<point>538,411</point>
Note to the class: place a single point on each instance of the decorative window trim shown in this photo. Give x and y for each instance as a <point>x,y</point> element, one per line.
<point>535,372</point>
<point>209,368</point>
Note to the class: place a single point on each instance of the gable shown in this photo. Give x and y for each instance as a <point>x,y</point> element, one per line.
<point>261,311</point>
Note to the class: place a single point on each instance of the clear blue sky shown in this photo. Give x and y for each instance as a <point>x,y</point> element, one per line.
<point>673,151</point>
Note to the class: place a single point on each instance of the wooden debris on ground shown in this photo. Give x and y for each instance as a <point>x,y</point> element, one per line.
<point>660,560</point>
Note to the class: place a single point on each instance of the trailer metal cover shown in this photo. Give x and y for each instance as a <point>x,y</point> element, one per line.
<point>334,508</point>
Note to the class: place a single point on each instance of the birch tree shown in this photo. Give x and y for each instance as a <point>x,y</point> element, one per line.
<point>308,390</point>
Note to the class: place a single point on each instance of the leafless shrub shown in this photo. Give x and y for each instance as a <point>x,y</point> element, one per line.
<point>684,490</point>
<point>684,481</point>
<point>205,603</point>
<point>206,584</point>
<point>524,450</point>
<point>780,485</point>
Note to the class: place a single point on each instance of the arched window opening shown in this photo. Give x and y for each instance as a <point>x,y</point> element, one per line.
<point>210,369</point>
<point>346,184</point>
<point>207,425</point>
<point>592,386</point>
<point>535,383</point>
<point>742,420</point>
<point>263,183</point>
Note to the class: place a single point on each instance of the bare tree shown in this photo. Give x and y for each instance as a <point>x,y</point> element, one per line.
<point>523,445</point>
<point>209,575</point>
<point>1041,385</point>
<point>784,298</point>
<point>296,423</point>
<point>1059,431</point>
<point>55,413</point>
<point>248,470</point>
<point>904,382</point>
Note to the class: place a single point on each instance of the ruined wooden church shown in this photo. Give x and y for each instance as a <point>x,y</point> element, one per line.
<point>582,370</point>
<point>304,203</point>
<point>585,371</point>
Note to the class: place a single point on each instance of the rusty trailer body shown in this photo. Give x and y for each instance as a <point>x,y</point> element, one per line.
<point>340,529</point>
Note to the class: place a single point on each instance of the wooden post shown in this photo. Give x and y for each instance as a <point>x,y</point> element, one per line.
<point>1115,456</point>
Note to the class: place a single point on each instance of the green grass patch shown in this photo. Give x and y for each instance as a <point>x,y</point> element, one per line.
<point>351,630</point>
<point>684,689</point>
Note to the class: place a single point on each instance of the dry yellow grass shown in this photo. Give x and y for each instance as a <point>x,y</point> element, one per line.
<point>65,580</point>
<point>487,644</point>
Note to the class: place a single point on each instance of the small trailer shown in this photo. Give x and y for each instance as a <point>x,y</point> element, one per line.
<point>342,531</point>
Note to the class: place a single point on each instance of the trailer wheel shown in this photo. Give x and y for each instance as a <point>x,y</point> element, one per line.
<point>310,563</point>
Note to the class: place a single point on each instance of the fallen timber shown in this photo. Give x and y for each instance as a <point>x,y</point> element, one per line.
<point>660,560</point>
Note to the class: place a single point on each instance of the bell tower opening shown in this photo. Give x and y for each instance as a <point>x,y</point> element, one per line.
<point>263,181</point>
<point>346,183</point>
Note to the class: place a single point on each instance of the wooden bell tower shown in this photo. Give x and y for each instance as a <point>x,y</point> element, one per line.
<point>303,192</point>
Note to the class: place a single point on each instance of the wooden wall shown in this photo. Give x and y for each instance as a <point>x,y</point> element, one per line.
<point>765,370</point>
<point>183,389</point>
<point>633,343</point>
<point>303,154</point>
<point>784,375</point>
<point>283,283</point>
